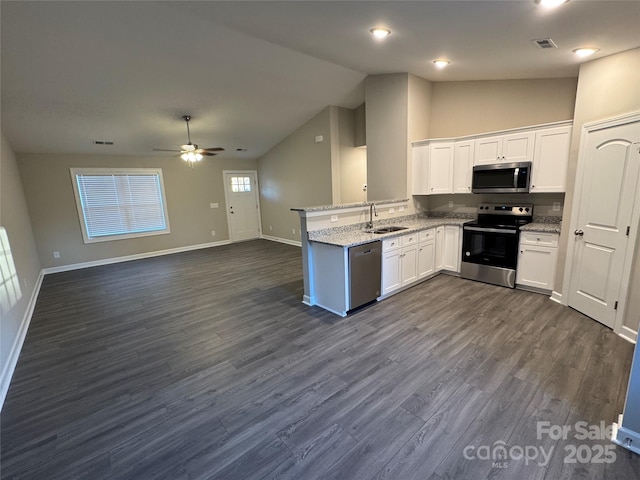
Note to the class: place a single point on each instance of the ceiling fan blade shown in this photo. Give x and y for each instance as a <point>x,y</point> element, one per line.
<point>165,150</point>
<point>213,149</point>
<point>208,154</point>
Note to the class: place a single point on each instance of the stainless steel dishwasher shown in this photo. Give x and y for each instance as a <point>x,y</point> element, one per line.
<point>365,265</point>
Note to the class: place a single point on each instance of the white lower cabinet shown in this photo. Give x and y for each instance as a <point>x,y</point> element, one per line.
<point>448,248</point>
<point>391,252</point>
<point>537,259</point>
<point>426,253</point>
<point>413,257</point>
<point>399,262</point>
<point>451,248</point>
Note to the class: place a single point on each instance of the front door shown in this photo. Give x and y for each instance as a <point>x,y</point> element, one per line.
<point>243,210</point>
<point>608,187</point>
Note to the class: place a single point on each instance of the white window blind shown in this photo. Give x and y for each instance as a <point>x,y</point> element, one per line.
<point>123,203</point>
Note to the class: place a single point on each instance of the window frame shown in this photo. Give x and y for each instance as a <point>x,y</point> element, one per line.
<point>123,172</point>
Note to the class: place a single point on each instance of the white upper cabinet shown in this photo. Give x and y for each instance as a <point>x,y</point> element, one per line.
<point>518,147</point>
<point>515,147</point>
<point>445,166</point>
<point>550,159</point>
<point>487,150</point>
<point>441,167</point>
<point>420,170</point>
<point>462,166</point>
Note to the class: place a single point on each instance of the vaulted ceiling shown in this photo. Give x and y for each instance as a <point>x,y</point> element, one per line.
<point>250,73</point>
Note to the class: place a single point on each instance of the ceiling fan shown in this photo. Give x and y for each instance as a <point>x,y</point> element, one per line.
<point>190,152</point>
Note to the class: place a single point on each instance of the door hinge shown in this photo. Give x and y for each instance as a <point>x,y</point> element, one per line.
<point>628,229</point>
<point>615,305</point>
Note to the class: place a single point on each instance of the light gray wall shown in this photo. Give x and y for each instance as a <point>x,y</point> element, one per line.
<point>360,119</point>
<point>352,161</point>
<point>54,216</point>
<point>295,173</point>
<point>468,108</point>
<point>14,217</point>
<point>386,100</point>
<point>397,113</point>
<point>607,87</point>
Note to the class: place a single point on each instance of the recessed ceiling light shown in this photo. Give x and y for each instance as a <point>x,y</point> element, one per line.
<point>380,32</point>
<point>585,52</point>
<point>441,63</point>
<point>551,3</point>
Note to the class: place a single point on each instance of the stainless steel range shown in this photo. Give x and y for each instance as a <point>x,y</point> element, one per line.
<point>490,245</point>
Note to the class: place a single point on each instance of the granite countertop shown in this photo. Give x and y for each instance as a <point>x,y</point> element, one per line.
<point>347,205</point>
<point>542,227</point>
<point>353,235</point>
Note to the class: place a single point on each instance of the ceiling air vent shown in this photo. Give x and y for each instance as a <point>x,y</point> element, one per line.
<point>544,43</point>
<point>102,142</point>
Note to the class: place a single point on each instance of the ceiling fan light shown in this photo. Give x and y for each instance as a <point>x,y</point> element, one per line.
<point>380,32</point>
<point>185,156</point>
<point>551,3</point>
<point>198,157</point>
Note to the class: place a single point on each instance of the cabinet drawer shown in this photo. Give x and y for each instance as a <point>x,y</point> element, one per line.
<point>427,235</point>
<point>390,244</point>
<point>410,239</point>
<point>538,238</point>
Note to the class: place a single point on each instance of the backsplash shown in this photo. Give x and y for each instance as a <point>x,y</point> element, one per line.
<point>543,203</point>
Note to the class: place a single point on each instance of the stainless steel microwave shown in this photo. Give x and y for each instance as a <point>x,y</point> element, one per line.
<point>501,178</point>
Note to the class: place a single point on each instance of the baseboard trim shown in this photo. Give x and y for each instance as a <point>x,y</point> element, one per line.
<point>295,243</point>
<point>628,334</point>
<point>16,348</point>
<point>128,258</point>
<point>557,297</point>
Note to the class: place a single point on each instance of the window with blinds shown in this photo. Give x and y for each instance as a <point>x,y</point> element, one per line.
<point>120,203</point>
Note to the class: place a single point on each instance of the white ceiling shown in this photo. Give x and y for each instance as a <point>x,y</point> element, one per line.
<point>250,73</point>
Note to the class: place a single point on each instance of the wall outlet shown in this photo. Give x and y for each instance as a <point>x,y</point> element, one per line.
<point>213,233</point>
<point>293,230</point>
<point>450,203</point>
<point>319,139</point>
<point>214,205</point>
<point>270,228</point>
<point>392,210</point>
<point>334,218</point>
<point>556,206</point>
<point>56,254</point>
<point>401,209</point>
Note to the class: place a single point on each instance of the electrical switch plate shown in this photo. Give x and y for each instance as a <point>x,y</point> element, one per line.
<point>391,210</point>
<point>293,230</point>
<point>334,218</point>
<point>319,139</point>
<point>56,254</point>
<point>214,205</point>
<point>213,233</point>
<point>450,204</point>
<point>270,228</point>
<point>401,209</point>
<point>556,206</point>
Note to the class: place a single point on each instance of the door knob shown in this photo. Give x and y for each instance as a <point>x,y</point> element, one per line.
<point>578,233</point>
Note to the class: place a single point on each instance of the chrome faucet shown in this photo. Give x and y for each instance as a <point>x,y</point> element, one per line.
<point>372,210</point>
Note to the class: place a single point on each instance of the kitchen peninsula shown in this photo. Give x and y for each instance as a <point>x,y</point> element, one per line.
<point>417,249</point>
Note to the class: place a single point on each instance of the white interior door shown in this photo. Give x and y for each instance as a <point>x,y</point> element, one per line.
<point>243,208</point>
<point>605,198</point>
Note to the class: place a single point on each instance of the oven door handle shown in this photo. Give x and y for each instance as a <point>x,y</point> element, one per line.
<point>516,172</point>
<point>491,230</point>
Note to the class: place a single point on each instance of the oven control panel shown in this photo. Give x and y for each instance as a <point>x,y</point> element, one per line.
<point>501,209</point>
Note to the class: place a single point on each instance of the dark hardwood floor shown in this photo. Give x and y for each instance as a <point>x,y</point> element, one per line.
<point>206,365</point>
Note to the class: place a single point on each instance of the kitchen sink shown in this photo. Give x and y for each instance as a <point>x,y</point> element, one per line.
<point>387,229</point>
